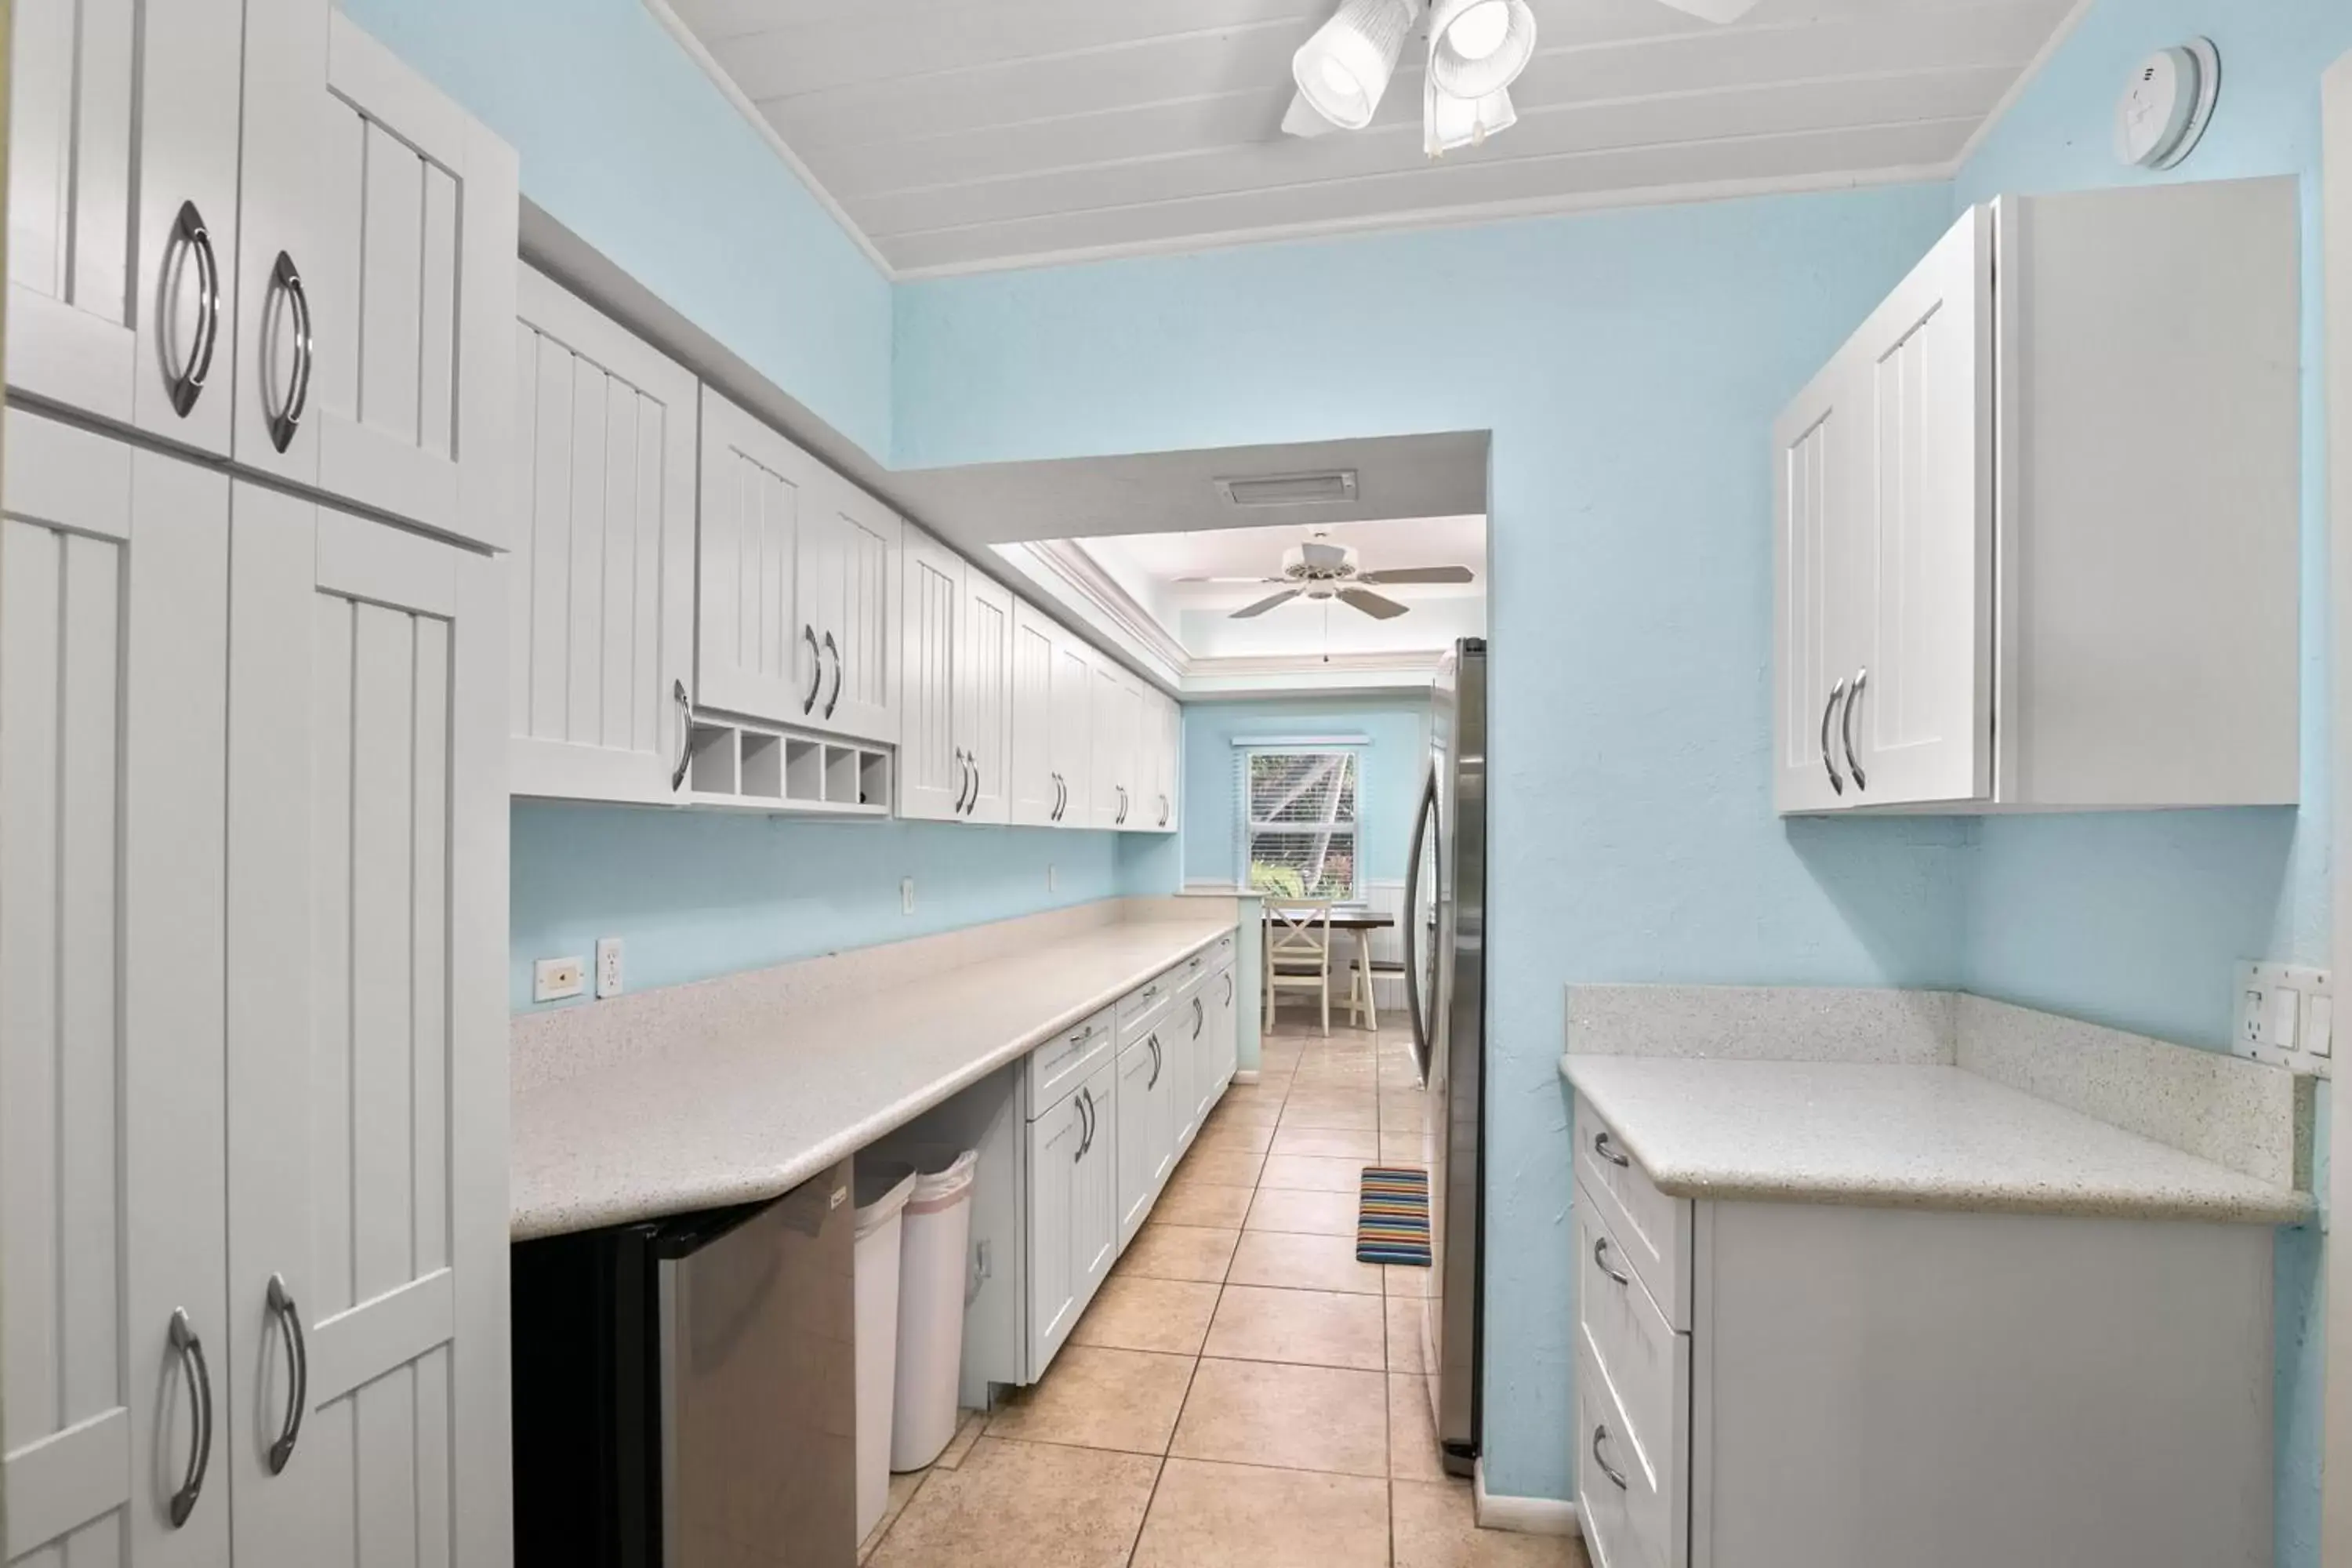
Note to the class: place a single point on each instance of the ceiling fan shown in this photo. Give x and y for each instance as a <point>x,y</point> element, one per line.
<point>1319,570</point>
<point>1476,50</point>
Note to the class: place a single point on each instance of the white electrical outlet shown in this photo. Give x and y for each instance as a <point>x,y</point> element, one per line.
<point>1052,877</point>
<point>2285,1014</point>
<point>553,979</point>
<point>608,967</point>
<point>906,895</point>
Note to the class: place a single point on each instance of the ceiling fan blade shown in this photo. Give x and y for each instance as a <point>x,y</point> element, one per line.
<point>1263,605</point>
<point>1373,605</point>
<point>1713,10</point>
<point>1420,575</point>
<point>1223,580</point>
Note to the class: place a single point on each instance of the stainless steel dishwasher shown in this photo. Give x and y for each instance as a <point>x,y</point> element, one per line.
<point>685,1390</point>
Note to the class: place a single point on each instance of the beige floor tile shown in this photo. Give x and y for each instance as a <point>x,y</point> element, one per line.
<point>1413,1430</point>
<point>1398,1077</point>
<point>1097,1398</point>
<point>1199,1203</point>
<point>1234,1136</point>
<point>1331,1143</point>
<point>1436,1527</point>
<point>1404,1315</point>
<point>902,1492</point>
<point>1304,1417</point>
<point>1310,1328</point>
<point>1289,1261</point>
<point>1257,1110</point>
<point>1219,1167</point>
<point>1340,1112</point>
<point>969,1425</point>
<point>1021,1505</point>
<point>1407,1279</point>
<point>1161,1251</point>
<point>1312,1214</point>
<point>1403,1112</point>
<point>1240,1516</point>
<point>1395,1148</point>
<point>1312,1173</point>
<point>1134,1312</point>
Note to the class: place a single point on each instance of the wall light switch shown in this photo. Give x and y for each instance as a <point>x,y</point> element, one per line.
<point>553,979</point>
<point>906,895</point>
<point>608,967</point>
<point>2319,1027</point>
<point>2285,1014</point>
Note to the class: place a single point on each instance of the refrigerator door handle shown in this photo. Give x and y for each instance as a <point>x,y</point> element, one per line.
<point>1411,920</point>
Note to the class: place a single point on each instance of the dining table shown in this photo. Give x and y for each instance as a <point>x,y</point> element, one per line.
<point>1363,920</point>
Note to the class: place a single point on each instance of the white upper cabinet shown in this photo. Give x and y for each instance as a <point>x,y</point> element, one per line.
<point>375,279</point>
<point>849,595</point>
<point>122,212</point>
<point>932,779</point>
<point>601,581</point>
<point>1036,787</point>
<point>1072,700</point>
<point>1167,718</point>
<point>1118,722</point>
<point>984,698</point>
<point>2020,515</point>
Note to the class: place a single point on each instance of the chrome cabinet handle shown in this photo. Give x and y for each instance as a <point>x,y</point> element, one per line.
<point>189,230</point>
<point>964,783</point>
<point>1845,728</point>
<point>1152,989</point>
<point>200,1396</point>
<point>685,735</point>
<point>831,648</point>
<point>1055,815</point>
<point>816,669</point>
<point>1601,1435</point>
<point>1086,1116</point>
<point>1163,811</point>
<point>1608,1150</point>
<point>971,760</point>
<point>1153,1081</point>
<point>286,279</point>
<point>298,1369</point>
<point>1200,1017</point>
<point>1229,986</point>
<point>1600,1257</point>
<point>1828,758</point>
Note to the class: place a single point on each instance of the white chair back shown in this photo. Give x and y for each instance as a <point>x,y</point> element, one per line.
<point>1298,934</point>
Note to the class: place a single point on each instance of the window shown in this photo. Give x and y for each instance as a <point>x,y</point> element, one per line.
<point>1295,809</point>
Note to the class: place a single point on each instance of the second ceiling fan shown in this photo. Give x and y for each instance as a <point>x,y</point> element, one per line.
<point>1320,570</point>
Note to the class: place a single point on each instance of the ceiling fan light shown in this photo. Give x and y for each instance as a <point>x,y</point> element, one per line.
<point>1342,71</point>
<point>1477,47</point>
<point>1448,122</point>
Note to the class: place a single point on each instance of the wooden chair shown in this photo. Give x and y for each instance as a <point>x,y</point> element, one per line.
<point>1299,954</point>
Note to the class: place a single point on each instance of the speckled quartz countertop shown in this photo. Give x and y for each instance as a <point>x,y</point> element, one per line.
<point>1899,1136</point>
<point>751,1110</point>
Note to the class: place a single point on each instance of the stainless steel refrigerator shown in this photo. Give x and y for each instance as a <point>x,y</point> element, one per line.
<point>1445,982</point>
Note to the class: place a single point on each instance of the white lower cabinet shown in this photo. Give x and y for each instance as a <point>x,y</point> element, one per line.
<point>1072,1222</point>
<point>253,1042</point>
<point>1811,1385</point>
<point>1142,1130</point>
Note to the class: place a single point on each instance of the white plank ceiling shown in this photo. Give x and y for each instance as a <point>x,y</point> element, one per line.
<point>960,135</point>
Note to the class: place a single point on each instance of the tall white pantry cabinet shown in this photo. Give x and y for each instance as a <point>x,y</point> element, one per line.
<point>253,1199</point>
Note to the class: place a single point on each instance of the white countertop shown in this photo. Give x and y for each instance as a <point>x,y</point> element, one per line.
<point>752,1113</point>
<point>1899,1137</point>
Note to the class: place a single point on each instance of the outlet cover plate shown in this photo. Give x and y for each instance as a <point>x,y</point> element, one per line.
<point>608,967</point>
<point>2283,1014</point>
<point>553,979</point>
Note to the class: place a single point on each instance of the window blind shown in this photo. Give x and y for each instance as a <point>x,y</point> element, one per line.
<point>1295,819</point>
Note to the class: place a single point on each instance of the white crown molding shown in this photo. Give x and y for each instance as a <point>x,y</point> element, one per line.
<point>1066,561</point>
<point>709,66</point>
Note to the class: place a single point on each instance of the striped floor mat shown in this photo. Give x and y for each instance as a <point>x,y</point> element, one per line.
<point>1393,1221</point>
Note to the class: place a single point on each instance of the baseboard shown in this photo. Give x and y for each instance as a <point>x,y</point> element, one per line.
<point>1245,1075</point>
<point>1520,1515</point>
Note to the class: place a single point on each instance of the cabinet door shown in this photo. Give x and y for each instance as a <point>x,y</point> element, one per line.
<point>1192,1049</point>
<point>1229,1034</point>
<point>1820,446</point>
<point>122,212</point>
<point>1919,695</point>
<point>1096,1236</point>
<point>113,666</point>
<point>848,592</point>
<point>984,698</point>
<point>1169,756</point>
<point>1057,1144</point>
<point>367,1069</point>
<point>380,230</point>
<point>601,581</point>
<point>932,781</point>
<point>1074,731</point>
<point>754,653</point>
<point>1134,811</point>
<point>1034,788</point>
<point>1117,706</point>
<point>1140,1135</point>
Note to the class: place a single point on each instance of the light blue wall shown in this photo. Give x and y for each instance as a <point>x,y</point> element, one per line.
<point>1391,769</point>
<point>2134,919</point>
<point>627,143</point>
<point>1629,366</point>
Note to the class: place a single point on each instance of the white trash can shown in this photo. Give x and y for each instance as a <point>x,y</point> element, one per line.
<point>931,1274</point>
<point>883,1189</point>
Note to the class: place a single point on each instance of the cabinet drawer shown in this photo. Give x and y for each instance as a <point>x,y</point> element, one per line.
<point>1624,1507</point>
<point>1062,1063</point>
<point>1620,1330</point>
<point>1140,1009</point>
<point>1654,1229</point>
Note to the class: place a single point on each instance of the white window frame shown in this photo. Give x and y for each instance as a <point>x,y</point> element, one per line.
<point>1248,827</point>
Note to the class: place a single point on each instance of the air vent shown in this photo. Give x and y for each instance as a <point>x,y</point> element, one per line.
<point>1290,489</point>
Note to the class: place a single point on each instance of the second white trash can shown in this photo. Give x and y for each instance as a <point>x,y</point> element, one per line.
<point>931,1274</point>
<point>883,1189</point>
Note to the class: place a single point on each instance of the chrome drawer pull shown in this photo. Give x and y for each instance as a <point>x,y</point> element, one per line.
<point>1828,758</point>
<point>189,384</point>
<point>1608,1150</point>
<point>297,1371</point>
<point>1601,1435</point>
<point>685,735</point>
<point>286,279</point>
<point>1845,730</point>
<point>200,1414</point>
<point>1600,1257</point>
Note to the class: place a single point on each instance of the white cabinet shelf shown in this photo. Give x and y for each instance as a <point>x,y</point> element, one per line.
<point>736,764</point>
<point>2037,522</point>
